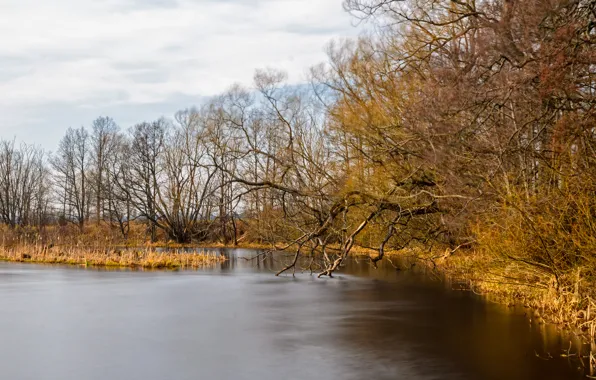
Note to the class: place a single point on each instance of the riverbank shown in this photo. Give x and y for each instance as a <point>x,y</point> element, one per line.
<point>147,258</point>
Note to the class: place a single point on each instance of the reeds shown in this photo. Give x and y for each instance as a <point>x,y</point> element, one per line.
<point>109,257</point>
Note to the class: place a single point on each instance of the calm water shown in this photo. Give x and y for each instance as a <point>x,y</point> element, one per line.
<point>239,321</point>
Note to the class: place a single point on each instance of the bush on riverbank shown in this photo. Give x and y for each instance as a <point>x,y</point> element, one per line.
<point>546,248</point>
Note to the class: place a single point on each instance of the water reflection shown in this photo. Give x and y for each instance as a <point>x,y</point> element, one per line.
<point>237,320</point>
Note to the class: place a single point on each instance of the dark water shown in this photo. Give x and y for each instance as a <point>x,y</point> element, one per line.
<point>239,321</point>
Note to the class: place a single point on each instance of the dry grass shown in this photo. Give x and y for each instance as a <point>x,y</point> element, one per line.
<point>131,258</point>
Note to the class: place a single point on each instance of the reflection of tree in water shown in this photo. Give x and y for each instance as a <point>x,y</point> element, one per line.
<point>248,259</point>
<point>229,264</point>
<point>389,323</point>
<point>408,326</point>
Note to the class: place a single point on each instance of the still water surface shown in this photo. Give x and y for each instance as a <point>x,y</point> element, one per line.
<point>239,321</point>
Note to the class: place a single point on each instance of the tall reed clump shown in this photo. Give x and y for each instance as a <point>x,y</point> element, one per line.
<point>107,257</point>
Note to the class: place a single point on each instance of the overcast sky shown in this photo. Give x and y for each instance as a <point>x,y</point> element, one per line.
<point>65,62</point>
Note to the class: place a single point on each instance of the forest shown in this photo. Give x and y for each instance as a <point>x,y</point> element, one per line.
<point>454,128</point>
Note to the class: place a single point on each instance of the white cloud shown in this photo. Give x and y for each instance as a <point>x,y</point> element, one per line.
<point>119,54</point>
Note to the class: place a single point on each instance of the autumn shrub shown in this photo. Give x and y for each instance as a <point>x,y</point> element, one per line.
<point>545,242</point>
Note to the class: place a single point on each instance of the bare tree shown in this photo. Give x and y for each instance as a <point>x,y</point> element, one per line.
<point>71,172</point>
<point>103,137</point>
<point>146,149</point>
<point>118,200</point>
<point>23,185</point>
<point>183,201</point>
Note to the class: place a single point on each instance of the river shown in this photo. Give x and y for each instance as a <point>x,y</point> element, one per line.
<point>239,321</point>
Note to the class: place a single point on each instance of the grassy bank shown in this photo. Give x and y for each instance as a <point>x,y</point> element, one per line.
<point>108,257</point>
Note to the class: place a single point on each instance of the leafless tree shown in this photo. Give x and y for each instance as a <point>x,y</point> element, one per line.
<point>71,164</point>
<point>118,200</point>
<point>24,188</point>
<point>103,137</point>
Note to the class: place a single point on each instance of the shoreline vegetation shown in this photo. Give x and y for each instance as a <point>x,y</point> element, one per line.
<point>145,257</point>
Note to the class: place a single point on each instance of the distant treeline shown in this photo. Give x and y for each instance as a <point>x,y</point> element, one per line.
<point>460,124</point>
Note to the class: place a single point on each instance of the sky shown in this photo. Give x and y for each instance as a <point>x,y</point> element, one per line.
<point>65,62</point>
